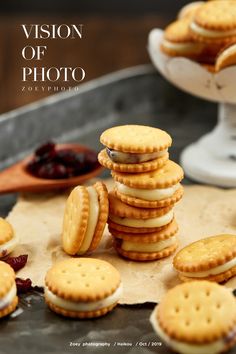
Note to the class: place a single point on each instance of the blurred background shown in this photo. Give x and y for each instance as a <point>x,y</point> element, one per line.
<point>114,37</point>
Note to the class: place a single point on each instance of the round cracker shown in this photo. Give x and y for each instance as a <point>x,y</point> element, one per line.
<point>105,161</point>
<point>136,230</point>
<point>162,234</point>
<point>136,139</point>
<point>6,231</point>
<point>141,203</point>
<point>178,31</point>
<point>118,208</point>
<point>168,175</point>
<point>218,278</point>
<point>79,314</point>
<point>9,309</point>
<point>82,279</point>
<point>217,15</point>
<point>197,312</point>
<point>145,256</point>
<point>226,58</point>
<point>206,253</point>
<point>7,278</point>
<point>75,220</point>
<point>103,215</point>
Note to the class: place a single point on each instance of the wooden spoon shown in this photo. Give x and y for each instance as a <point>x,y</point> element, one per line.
<point>17,179</point>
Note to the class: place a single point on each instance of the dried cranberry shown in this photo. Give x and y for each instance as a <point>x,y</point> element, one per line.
<point>52,170</point>
<point>70,158</point>
<point>91,160</point>
<point>17,262</point>
<point>45,149</point>
<point>50,163</point>
<point>23,285</point>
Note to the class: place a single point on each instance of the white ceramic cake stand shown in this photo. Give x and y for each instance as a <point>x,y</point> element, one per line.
<point>212,159</point>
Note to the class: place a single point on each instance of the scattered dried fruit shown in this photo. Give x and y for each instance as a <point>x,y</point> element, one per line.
<point>23,285</point>
<point>50,163</point>
<point>17,262</point>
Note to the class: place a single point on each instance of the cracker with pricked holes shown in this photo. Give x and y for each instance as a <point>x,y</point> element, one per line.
<point>206,253</point>
<point>136,139</point>
<point>82,280</point>
<point>168,175</point>
<point>198,312</point>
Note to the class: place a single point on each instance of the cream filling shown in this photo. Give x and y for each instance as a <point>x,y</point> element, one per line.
<point>147,194</point>
<point>228,51</point>
<point>153,222</point>
<point>8,298</point>
<point>211,33</point>
<point>214,271</point>
<point>147,247</point>
<point>125,157</point>
<point>186,348</point>
<point>83,306</point>
<point>181,47</point>
<point>8,247</point>
<point>92,220</point>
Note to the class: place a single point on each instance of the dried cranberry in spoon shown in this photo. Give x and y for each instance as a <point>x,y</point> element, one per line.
<point>50,163</point>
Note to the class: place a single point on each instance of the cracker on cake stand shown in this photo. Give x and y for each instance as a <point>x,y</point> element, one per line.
<point>212,159</point>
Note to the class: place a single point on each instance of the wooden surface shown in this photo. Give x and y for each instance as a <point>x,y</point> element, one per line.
<point>109,43</point>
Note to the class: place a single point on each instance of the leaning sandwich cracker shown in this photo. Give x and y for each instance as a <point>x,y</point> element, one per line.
<point>85,218</point>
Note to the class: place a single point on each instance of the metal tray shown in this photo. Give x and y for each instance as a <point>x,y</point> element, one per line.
<point>137,95</point>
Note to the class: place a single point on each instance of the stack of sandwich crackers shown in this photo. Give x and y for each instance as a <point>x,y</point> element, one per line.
<point>147,185</point>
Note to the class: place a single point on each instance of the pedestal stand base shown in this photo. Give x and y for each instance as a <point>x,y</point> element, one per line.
<point>201,166</point>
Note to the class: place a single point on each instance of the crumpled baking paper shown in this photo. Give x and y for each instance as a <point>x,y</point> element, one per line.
<point>37,220</point>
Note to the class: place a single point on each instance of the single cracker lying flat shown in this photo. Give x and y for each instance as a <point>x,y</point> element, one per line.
<point>199,316</point>
<point>212,258</point>
<point>168,175</point>
<point>136,139</point>
<point>82,287</point>
<point>105,161</point>
<point>141,203</point>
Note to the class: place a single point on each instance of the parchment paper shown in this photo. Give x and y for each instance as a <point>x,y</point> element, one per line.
<point>37,220</point>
